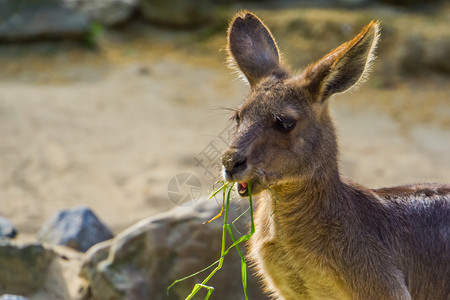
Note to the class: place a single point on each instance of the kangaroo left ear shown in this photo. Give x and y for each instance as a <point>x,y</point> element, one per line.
<point>252,48</point>
<point>343,67</point>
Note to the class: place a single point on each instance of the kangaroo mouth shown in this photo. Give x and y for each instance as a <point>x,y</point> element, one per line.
<point>243,188</point>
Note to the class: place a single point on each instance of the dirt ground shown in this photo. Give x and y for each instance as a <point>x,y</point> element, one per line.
<point>110,128</point>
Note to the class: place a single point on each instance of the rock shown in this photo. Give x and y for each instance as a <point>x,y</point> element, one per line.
<point>420,55</point>
<point>77,228</point>
<point>31,19</point>
<point>411,55</point>
<point>437,53</point>
<point>178,13</point>
<point>94,256</point>
<point>7,230</point>
<point>142,261</point>
<point>23,268</point>
<point>91,259</point>
<point>108,12</point>
<point>410,2</point>
<point>354,3</point>
<point>12,297</point>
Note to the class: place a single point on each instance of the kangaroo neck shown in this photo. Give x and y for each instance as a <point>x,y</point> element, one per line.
<point>319,186</point>
<point>307,200</point>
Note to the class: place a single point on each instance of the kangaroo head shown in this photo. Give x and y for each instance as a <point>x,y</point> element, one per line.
<point>284,131</point>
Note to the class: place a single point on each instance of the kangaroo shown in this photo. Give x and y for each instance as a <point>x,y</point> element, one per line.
<point>319,236</point>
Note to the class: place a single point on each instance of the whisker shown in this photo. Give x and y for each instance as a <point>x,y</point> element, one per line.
<point>233,109</point>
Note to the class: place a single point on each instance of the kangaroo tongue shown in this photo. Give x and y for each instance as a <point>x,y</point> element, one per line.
<point>242,187</point>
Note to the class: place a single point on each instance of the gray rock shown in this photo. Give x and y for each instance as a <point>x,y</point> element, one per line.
<point>7,230</point>
<point>77,228</point>
<point>411,55</point>
<point>12,297</point>
<point>145,259</point>
<point>30,19</point>
<point>420,55</point>
<point>354,3</point>
<point>437,53</point>
<point>410,2</point>
<point>108,12</point>
<point>23,268</point>
<point>178,13</point>
<point>94,256</point>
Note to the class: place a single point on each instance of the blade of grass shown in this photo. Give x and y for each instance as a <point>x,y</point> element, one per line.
<point>232,223</point>
<point>218,215</point>
<point>214,193</point>
<point>224,251</point>
<point>252,230</point>
<point>243,263</point>
<point>250,201</point>
<point>192,275</point>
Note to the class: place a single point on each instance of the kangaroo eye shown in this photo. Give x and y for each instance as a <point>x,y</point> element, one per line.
<point>284,124</point>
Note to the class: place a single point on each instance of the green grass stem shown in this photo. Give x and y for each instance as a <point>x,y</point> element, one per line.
<point>226,228</point>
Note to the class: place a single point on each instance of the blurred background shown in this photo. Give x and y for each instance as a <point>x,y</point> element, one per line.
<point>105,102</point>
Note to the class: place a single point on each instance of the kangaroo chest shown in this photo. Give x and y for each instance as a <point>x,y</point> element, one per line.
<point>292,272</point>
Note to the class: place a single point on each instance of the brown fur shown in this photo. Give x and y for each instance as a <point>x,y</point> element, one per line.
<point>317,235</point>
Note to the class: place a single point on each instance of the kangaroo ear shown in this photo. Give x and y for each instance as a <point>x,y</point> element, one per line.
<point>252,48</point>
<point>343,67</point>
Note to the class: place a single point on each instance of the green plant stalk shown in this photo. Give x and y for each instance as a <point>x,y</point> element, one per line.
<point>225,228</point>
<point>223,252</point>
<point>244,238</point>
<point>237,219</point>
<point>215,192</point>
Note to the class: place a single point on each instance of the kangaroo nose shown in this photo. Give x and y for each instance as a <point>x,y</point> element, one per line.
<point>233,164</point>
